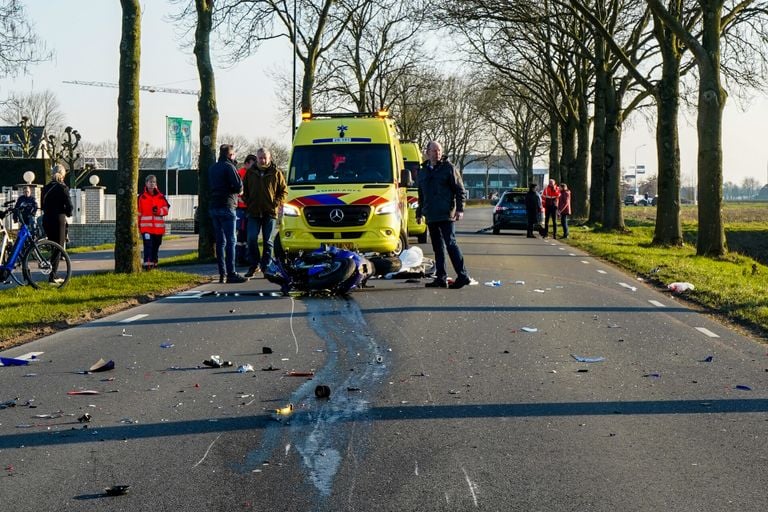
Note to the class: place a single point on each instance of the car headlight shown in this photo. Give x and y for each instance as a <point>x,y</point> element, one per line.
<point>413,205</point>
<point>386,208</point>
<point>290,211</point>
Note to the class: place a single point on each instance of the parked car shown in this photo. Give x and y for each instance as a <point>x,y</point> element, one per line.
<point>509,212</point>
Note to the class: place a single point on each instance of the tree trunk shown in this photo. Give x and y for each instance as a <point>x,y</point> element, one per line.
<point>308,81</point>
<point>577,180</point>
<point>598,171</point>
<point>126,225</point>
<point>554,144</point>
<point>613,219</point>
<point>668,230</point>
<point>568,149</point>
<point>712,96</point>
<point>209,123</point>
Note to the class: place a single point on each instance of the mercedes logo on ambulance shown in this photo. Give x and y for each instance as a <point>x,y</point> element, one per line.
<point>336,215</point>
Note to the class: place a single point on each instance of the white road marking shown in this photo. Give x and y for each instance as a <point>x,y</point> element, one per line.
<point>30,355</point>
<point>188,295</point>
<point>707,332</point>
<point>416,470</point>
<point>206,451</point>
<point>657,303</point>
<point>561,248</point>
<point>132,319</point>
<point>601,271</point>
<point>571,254</point>
<point>628,286</point>
<point>472,486</point>
<point>585,262</point>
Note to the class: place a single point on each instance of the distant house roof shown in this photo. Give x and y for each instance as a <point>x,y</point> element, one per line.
<point>12,141</point>
<point>496,164</point>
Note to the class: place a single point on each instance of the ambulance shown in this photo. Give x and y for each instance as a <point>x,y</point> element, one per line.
<point>346,185</point>
<point>412,163</point>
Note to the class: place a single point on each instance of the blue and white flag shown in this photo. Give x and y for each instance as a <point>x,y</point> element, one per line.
<point>178,138</point>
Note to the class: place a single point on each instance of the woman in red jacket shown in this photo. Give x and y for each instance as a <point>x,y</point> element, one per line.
<point>153,206</point>
<point>564,207</point>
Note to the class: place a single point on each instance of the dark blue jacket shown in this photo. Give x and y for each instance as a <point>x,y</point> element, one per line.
<point>441,191</point>
<point>225,184</point>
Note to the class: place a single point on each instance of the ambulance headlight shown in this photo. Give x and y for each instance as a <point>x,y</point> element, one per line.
<point>413,205</point>
<point>386,208</point>
<point>290,211</point>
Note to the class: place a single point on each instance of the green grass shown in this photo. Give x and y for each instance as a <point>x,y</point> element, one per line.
<point>189,258</point>
<point>729,285</point>
<point>27,311</point>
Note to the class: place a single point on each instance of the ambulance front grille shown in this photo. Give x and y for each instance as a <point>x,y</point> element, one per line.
<point>337,216</point>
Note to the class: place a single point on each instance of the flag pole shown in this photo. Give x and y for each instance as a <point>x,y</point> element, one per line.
<point>166,156</point>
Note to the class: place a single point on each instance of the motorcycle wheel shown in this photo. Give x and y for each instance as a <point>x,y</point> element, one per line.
<point>337,272</point>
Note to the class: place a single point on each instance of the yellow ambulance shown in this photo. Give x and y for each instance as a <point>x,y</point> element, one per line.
<point>345,185</point>
<point>412,160</point>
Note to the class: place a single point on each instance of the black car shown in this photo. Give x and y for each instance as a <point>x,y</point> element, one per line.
<point>509,212</point>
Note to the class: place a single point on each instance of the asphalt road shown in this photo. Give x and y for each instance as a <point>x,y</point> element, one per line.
<point>439,398</point>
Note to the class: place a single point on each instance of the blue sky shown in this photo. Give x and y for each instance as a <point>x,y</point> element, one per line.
<point>85,36</point>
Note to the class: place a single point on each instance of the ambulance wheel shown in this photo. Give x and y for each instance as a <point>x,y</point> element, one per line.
<point>402,244</point>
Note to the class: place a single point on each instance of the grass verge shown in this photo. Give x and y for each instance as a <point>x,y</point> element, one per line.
<point>29,313</point>
<point>734,286</point>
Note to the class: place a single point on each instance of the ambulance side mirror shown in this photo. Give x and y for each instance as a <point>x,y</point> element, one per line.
<point>405,178</point>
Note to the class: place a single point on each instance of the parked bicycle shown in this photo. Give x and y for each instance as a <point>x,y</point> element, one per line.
<point>43,263</point>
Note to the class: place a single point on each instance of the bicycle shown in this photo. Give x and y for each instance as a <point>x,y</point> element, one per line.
<point>41,259</point>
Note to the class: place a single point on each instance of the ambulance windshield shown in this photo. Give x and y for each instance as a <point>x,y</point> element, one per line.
<point>341,163</point>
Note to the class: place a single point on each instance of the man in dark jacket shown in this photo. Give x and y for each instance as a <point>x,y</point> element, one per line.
<point>441,201</point>
<point>532,208</point>
<point>225,185</point>
<point>264,192</point>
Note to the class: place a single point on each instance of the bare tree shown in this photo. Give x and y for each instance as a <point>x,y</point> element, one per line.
<point>126,228</point>
<point>41,108</point>
<point>19,45</point>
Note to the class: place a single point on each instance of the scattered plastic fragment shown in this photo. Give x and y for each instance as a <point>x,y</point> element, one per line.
<point>493,283</point>
<point>582,359</point>
<point>85,418</point>
<point>300,374</point>
<point>708,359</point>
<point>83,392</point>
<point>285,411</point>
<point>232,310</point>
<point>680,287</point>
<point>12,361</point>
<point>167,345</point>
<point>743,387</point>
<point>217,362</point>
<point>529,329</point>
<point>323,391</point>
<point>453,392</point>
<point>654,375</point>
<point>9,403</point>
<point>520,282</point>
<point>126,335</point>
<point>379,359</point>
<point>117,490</point>
<point>102,366</point>
<point>266,350</point>
<point>582,370</point>
<point>270,368</point>
<point>539,290</point>
<point>245,368</point>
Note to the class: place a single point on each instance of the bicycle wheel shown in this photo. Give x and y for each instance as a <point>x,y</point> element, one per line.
<point>39,263</point>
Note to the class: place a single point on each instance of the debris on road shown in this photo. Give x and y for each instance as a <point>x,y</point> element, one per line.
<point>270,368</point>
<point>217,362</point>
<point>653,375</point>
<point>323,391</point>
<point>167,345</point>
<point>583,359</point>
<point>85,418</point>
<point>284,411</point>
<point>529,329</point>
<point>708,359</point>
<point>300,374</point>
<point>102,366</point>
<point>266,350</point>
<point>117,490</point>
<point>494,284</point>
<point>743,387</point>
<point>680,287</point>
<point>83,392</point>
<point>245,368</point>
<point>124,334</point>
<point>9,403</point>
<point>12,361</point>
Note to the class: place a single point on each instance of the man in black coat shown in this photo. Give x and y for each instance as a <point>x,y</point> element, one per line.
<point>532,208</point>
<point>225,184</point>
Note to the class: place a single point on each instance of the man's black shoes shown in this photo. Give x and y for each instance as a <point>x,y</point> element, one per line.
<point>437,283</point>
<point>235,278</point>
<point>460,282</point>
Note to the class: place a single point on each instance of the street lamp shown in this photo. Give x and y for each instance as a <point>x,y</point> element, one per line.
<point>636,149</point>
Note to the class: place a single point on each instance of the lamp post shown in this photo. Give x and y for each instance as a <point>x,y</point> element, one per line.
<point>636,149</point>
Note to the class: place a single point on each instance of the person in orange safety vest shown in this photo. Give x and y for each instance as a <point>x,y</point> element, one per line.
<point>550,196</point>
<point>153,207</point>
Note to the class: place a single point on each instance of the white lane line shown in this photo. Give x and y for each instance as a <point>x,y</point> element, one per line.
<point>628,286</point>
<point>571,254</point>
<point>585,262</point>
<point>416,469</point>
<point>601,271</point>
<point>561,248</point>
<point>472,486</point>
<point>188,295</point>
<point>707,332</point>
<point>657,303</point>
<point>132,319</point>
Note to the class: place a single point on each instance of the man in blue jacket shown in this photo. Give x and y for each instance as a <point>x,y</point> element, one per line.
<point>441,202</point>
<point>225,184</point>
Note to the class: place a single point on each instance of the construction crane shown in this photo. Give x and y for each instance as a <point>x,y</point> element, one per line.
<point>141,87</point>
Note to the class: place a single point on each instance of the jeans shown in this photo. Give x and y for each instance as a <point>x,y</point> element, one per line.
<point>151,247</point>
<point>266,226</point>
<point>550,212</point>
<point>226,238</point>
<point>564,223</point>
<point>443,236</point>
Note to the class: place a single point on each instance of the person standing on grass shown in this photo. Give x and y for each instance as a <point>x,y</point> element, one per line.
<point>441,202</point>
<point>564,208</point>
<point>153,207</point>
<point>225,185</point>
<point>264,192</point>
<point>550,195</point>
<point>57,206</point>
